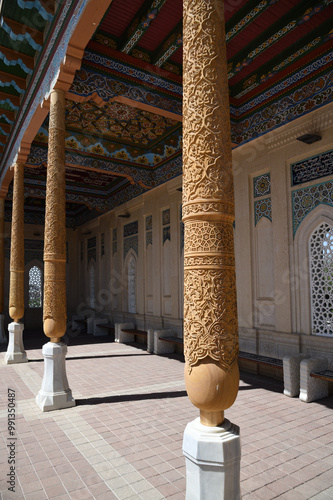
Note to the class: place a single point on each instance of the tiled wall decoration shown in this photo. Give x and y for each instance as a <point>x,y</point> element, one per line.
<point>91,248</point>
<point>149,230</point>
<point>131,240</point>
<point>166,225</point>
<point>312,168</point>
<point>262,185</point>
<point>262,208</point>
<point>306,199</point>
<point>114,241</point>
<point>102,244</point>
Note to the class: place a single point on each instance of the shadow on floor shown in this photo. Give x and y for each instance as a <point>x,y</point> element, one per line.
<point>130,397</point>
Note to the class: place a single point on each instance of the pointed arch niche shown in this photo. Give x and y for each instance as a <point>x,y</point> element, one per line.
<point>311,300</point>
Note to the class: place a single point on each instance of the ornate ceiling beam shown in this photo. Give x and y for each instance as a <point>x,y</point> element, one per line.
<point>287,58</point>
<point>296,16</point>
<point>243,17</point>
<point>140,24</point>
<point>169,46</point>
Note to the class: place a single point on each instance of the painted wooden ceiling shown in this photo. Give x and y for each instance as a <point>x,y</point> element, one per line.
<point>123,110</point>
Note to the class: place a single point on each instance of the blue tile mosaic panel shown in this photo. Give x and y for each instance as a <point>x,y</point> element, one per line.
<point>262,208</point>
<point>306,199</point>
<point>131,228</point>
<point>262,185</point>
<point>149,222</point>
<point>114,241</point>
<point>132,242</point>
<point>166,234</point>
<point>102,244</point>
<point>149,238</point>
<point>91,247</point>
<point>166,217</point>
<point>312,168</point>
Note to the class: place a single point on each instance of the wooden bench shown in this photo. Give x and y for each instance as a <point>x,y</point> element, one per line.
<point>262,360</point>
<point>135,332</point>
<point>107,326</point>
<point>173,340</point>
<point>323,375</point>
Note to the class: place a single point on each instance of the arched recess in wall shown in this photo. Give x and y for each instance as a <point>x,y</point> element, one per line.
<point>92,283</point>
<point>320,217</point>
<point>264,274</point>
<point>130,289</point>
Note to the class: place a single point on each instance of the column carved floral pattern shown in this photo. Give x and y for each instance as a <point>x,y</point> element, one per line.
<point>54,311</point>
<point>16,287</point>
<point>210,308</point>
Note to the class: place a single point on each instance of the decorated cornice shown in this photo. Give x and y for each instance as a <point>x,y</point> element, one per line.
<point>87,83</point>
<point>310,97</point>
<point>319,121</point>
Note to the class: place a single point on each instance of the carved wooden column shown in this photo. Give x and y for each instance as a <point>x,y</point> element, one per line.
<point>15,352</point>
<point>55,392</point>
<point>210,308</point>
<point>3,338</point>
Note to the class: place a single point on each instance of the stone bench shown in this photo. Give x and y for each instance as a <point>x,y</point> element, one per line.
<point>291,374</point>
<point>315,376</point>
<point>165,342</point>
<point>102,327</point>
<point>124,332</point>
<point>262,360</point>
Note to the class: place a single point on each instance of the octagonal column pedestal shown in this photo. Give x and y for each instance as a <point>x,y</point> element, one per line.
<point>55,392</point>
<point>15,350</point>
<point>3,338</point>
<point>212,461</point>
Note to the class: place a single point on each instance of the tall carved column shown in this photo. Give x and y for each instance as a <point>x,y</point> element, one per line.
<point>55,392</point>
<point>210,308</point>
<point>15,351</point>
<point>3,338</point>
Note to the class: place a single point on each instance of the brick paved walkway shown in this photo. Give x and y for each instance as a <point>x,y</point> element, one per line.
<point>123,440</point>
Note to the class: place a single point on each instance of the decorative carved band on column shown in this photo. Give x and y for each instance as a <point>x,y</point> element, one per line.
<point>2,253</point>
<point>54,310</point>
<point>16,288</point>
<point>210,304</point>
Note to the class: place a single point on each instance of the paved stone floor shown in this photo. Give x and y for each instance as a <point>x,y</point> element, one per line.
<point>123,440</point>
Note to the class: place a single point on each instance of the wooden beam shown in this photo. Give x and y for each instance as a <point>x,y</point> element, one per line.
<point>21,29</point>
<point>169,46</point>
<point>9,114</point>
<point>141,23</point>
<point>8,78</point>
<point>13,98</point>
<point>12,55</point>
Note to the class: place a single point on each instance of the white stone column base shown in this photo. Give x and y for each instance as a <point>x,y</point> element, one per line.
<point>3,338</point>
<point>212,461</point>
<point>55,393</point>
<point>15,350</point>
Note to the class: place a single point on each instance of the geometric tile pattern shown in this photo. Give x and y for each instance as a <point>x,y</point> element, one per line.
<point>131,240</point>
<point>262,208</point>
<point>306,199</point>
<point>166,225</point>
<point>149,232</point>
<point>262,185</point>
